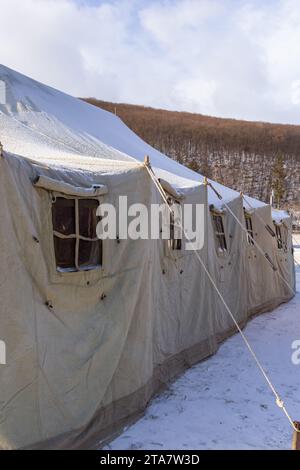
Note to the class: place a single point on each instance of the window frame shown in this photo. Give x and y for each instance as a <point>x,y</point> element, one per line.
<point>249,228</point>
<point>281,234</point>
<point>75,236</point>
<point>175,245</point>
<point>222,248</point>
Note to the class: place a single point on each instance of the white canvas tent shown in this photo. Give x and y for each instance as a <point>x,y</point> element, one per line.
<point>87,349</point>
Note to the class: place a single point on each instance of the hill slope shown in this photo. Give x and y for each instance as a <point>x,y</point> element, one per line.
<point>247,156</point>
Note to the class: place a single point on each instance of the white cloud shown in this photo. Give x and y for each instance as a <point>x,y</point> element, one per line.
<point>234,58</point>
<point>195,94</point>
<point>295,92</point>
<point>171,20</point>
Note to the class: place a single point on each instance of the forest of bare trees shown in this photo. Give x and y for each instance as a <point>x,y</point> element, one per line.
<point>253,157</point>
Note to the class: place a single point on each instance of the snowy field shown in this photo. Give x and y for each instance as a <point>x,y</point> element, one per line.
<point>224,402</point>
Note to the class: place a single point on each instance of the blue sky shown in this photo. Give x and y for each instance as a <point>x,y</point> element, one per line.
<point>231,58</point>
<point>90,2</point>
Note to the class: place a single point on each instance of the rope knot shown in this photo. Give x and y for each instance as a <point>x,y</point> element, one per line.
<point>279,402</point>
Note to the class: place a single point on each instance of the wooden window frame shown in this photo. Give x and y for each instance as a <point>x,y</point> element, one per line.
<point>77,236</point>
<point>278,234</point>
<point>281,237</point>
<point>174,244</point>
<point>219,232</point>
<point>249,228</point>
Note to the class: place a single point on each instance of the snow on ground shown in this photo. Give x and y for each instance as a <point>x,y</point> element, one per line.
<point>224,402</point>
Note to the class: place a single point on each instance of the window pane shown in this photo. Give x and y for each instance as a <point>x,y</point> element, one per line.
<point>87,217</point>
<point>175,234</point>
<point>279,237</point>
<point>65,253</point>
<point>249,227</point>
<point>175,244</point>
<point>222,242</point>
<point>171,226</point>
<point>220,233</point>
<point>219,224</point>
<point>90,254</point>
<point>63,216</point>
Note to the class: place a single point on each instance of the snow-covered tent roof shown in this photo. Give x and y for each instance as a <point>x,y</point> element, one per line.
<point>46,125</point>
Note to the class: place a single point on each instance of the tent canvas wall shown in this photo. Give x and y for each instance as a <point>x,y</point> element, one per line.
<point>87,350</point>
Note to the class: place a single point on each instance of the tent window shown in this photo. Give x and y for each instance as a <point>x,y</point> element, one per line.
<point>219,232</point>
<point>175,242</point>
<point>279,237</point>
<point>76,245</point>
<point>249,227</point>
